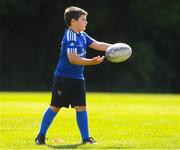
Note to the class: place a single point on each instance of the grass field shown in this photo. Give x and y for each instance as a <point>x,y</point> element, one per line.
<point>116,121</point>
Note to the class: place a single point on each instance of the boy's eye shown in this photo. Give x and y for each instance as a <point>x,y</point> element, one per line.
<point>83,19</point>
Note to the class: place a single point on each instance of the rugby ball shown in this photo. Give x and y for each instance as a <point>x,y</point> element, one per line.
<point>118,52</point>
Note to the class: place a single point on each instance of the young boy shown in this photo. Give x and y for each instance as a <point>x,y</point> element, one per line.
<point>69,84</point>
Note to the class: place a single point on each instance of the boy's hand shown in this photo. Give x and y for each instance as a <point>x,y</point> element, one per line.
<point>77,60</point>
<point>97,60</point>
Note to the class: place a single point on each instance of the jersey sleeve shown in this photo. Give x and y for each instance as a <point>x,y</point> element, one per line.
<point>71,42</point>
<point>89,40</point>
<point>71,47</point>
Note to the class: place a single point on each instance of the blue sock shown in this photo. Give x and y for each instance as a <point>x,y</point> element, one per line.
<point>46,121</point>
<point>82,121</point>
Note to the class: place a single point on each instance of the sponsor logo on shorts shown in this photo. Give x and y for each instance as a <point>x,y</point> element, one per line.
<point>59,92</point>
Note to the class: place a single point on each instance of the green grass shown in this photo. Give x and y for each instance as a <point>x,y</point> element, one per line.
<point>116,121</point>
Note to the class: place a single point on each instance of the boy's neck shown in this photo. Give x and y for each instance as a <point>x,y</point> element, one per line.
<point>74,30</point>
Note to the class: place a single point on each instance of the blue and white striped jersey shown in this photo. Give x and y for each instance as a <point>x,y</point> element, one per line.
<point>72,43</point>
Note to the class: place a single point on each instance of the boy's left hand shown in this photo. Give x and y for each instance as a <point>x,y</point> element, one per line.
<point>97,60</point>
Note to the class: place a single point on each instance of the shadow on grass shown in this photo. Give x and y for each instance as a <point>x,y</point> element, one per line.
<point>69,146</point>
<point>74,146</point>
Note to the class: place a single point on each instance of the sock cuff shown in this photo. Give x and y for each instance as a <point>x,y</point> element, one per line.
<point>51,112</point>
<point>81,112</point>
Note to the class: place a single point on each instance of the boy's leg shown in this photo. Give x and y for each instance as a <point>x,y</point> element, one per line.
<point>45,124</point>
<point>82,121</point>
<point>47,119</point>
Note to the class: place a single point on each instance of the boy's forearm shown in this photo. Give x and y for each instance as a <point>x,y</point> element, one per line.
<point>82,61</point>
<point>103,46</point>
<point>100,46</point>
<point>77,60</point>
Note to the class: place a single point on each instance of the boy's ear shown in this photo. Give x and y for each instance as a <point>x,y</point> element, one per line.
<point>73,20</point>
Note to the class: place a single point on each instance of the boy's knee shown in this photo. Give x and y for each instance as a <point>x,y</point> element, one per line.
<point>80,108</point>
<point>55,109</point>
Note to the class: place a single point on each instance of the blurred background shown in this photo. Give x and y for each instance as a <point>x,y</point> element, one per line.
<point>31,32</point>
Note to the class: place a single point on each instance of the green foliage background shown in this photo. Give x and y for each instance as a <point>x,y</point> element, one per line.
<point>31,31</point>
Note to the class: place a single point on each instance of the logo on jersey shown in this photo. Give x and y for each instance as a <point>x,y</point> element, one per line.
<point>71,44</point>
<point>83,53</point>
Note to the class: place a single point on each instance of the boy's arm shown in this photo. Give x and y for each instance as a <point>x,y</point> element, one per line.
<point>100,46</point>
<point>77,60</point>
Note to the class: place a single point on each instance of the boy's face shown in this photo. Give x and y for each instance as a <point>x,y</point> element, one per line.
<point>80,24</point>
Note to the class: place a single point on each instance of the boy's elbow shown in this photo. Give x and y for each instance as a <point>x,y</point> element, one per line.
<point>72,58</point>
<point>71,61</point>
<point>75,59</point>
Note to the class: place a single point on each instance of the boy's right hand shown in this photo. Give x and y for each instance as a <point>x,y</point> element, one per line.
<point>97,60</point>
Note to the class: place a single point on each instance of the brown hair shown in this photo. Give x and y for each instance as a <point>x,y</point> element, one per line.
<point>73,13</point>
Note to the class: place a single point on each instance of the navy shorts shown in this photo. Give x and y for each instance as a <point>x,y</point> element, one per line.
<point>68,91</point>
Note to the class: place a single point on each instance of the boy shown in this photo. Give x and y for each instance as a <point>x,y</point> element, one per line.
<point>69,84</point>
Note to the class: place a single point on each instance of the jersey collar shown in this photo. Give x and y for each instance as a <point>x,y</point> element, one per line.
<point>74,32</point>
